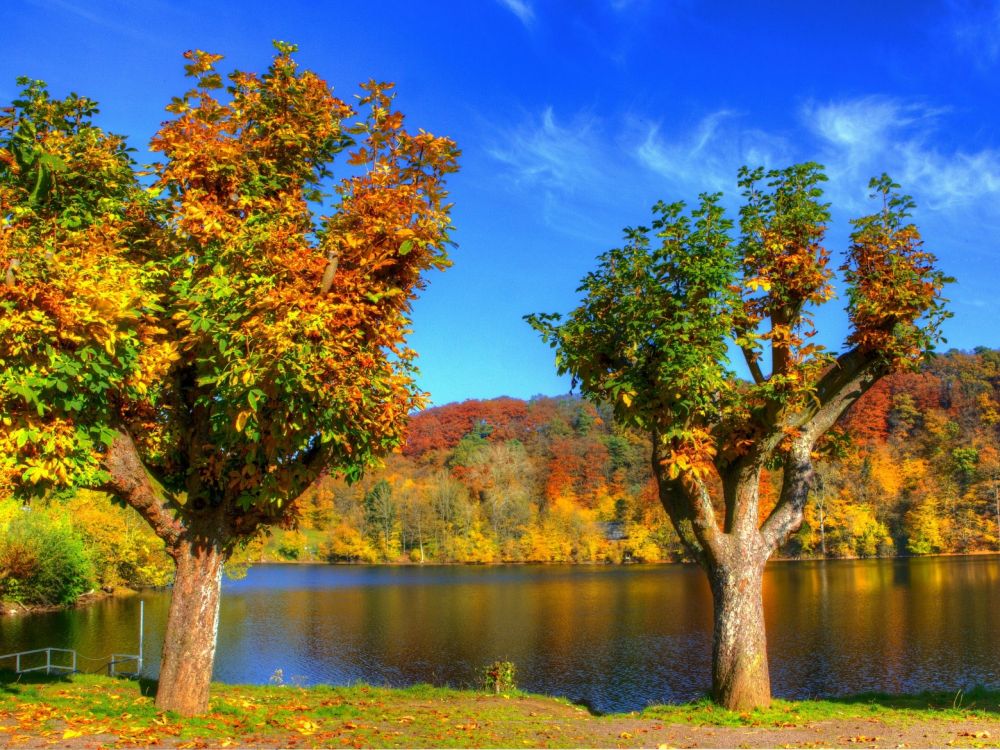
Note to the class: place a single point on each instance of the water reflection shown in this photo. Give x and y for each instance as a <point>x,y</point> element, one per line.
<point>618,638</point>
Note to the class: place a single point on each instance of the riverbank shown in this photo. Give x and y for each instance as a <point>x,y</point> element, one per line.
<point>91,711</point>
<point>10,608</point>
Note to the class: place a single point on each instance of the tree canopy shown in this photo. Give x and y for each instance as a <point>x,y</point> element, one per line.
<point>198,307</point>
<point>661,314</point>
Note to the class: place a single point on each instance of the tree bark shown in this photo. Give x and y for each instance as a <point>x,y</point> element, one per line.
<point>192,628</point>
<point>734,560</point>
<point>740,678</point>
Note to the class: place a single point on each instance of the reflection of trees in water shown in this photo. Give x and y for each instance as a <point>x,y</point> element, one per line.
<point>617,637</point>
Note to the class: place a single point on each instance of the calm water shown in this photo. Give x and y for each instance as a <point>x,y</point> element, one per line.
<point>617,637</point>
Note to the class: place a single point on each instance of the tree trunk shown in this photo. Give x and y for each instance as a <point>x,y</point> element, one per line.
<point>740,680</point>
<point>192,628</point>
<point>822,528</point>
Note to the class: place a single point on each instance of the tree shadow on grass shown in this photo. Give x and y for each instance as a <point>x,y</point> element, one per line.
<point>978,698</point>
<point>148,686</point>
<point>11,682</point>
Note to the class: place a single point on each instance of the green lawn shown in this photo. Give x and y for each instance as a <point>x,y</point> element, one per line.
<point>117,712</point>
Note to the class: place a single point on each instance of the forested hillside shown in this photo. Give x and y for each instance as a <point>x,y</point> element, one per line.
<point>913,469</point>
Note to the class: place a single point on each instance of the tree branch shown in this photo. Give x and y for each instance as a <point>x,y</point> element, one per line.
<point>332,261</point>
<point>689,505</point>
<point>786,516</point>
<point>310,464</point>
<point>754,365</point>
<point>10,277</point>
<point>741,492</point>
<point>130,481</point>
<point>844,383</point>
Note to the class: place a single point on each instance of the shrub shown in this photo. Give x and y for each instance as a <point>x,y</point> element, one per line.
<point>292,545</point>
<point>123,548</point>
<point>499,677</point>
<point>43,561</point>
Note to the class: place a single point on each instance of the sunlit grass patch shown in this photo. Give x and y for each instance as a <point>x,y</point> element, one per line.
<point>118,712</point>
<point>979,703</point>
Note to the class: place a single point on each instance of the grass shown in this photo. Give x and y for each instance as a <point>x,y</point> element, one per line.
<point>117,712</point>
<point>928,706</point>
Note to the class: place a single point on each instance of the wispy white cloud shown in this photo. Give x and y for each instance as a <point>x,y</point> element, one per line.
<point>578,169</point>
<point>862,137</point>
<point>541,152</point>
<point>565,167</point>
<point>707,156</point>
<point>523,9</point>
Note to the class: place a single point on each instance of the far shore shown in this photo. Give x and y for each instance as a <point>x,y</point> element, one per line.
<point>12,608</point>
<point>603,563</point>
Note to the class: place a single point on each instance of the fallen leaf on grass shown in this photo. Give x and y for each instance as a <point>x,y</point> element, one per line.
<point>307,727</point>
<point>978,735</point>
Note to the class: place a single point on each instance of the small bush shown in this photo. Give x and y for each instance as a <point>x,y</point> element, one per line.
<point>43,561</point>
<point>292,545</point>
<point>499,677</point>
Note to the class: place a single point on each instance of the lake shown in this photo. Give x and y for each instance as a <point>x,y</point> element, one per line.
<point>618,638</point>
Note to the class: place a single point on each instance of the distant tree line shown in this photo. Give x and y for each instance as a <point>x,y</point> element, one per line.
<point>913,469</point>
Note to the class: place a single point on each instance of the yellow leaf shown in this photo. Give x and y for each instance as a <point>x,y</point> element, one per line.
<point>241,420</point>
<point>627,399</point>
<point>71,733</point>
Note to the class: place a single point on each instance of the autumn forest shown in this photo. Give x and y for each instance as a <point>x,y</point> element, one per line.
<point>913,469</point>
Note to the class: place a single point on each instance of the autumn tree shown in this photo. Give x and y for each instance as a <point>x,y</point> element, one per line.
<point>652,335</point>
<point>204,347</point>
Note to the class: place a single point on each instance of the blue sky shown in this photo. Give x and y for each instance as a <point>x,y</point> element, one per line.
<point>575,116</point>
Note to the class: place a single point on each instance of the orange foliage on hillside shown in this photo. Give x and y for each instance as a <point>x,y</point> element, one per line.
<point>916,470</point>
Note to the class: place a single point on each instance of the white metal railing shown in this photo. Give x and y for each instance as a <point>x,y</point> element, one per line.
<point>48,666</point>
<point>21,663</point>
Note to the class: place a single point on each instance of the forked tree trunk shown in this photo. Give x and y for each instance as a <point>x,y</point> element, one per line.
<point>740,678</point>
<point>192,628</point>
